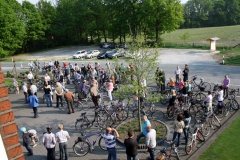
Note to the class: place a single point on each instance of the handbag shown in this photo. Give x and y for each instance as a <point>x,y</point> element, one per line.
<point>51,93</point>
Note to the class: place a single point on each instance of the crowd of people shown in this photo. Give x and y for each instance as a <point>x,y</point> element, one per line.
<point>89,79</point>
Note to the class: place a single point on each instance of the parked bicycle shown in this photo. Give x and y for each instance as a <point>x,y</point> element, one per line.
<point>84,145</point>
<point>201,85</point>
<point>168,155</point>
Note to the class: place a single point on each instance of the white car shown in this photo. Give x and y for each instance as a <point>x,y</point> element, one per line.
<point>106,45</point>
<point>92,53</point>
<point>79,54</point>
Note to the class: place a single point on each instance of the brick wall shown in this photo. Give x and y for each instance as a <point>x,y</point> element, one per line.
<point>8,127</point>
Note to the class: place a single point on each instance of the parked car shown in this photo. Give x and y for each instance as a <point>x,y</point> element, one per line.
<point>132,54</point>
<point>123,45</point>
<point>101,44</point>
<point>106,45</point>
<point>113,46</point>
<point>79,54</point>
<point>116,53</point>
<point>92,53</point>
<point>103,54</point>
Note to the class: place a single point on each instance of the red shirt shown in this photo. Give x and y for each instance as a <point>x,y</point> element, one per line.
<point>64,64</point>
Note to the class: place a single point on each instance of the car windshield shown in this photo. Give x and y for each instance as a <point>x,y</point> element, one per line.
<point>103,52</point>
<point>89,52</point>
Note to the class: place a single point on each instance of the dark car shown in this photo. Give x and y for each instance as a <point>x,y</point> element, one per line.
<point>101,45</point>
<point>103,55</point>
<point>123,45</point>
<point>113,46</point>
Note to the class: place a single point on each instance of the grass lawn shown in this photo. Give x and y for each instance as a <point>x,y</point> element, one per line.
<point>9,82</point>
<point>226,145</point>
<point>229,35</point>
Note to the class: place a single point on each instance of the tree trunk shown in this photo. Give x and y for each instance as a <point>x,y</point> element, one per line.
<point>156,31</point>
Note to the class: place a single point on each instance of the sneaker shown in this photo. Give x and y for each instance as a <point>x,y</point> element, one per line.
<point>35,145</point>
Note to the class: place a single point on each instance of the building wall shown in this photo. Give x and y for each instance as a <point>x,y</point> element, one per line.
<point>8,127</point>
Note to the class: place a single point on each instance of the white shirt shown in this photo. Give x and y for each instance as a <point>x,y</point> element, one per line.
<point>34,88</point>
<point>62,136</point>
<point>208,99</point>
<point>24,88</point>
<point>47,78</point>
<point>144,82</point>
<point>30,64</point>
<point>50,63</point>
<point>30,76</point>
<point>151,138</point>
<point>178,71</point>
<point>220,95</point>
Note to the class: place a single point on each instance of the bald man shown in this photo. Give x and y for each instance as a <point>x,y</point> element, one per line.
<point>151,141</point>
<point>110,141</point>
<point>145,123</point>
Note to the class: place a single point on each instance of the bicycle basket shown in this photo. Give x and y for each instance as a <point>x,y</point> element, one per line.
<point>202,88</point>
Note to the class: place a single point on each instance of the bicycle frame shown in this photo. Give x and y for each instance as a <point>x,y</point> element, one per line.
<point>98,134</point>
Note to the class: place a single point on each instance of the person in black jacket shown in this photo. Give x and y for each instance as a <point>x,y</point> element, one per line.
<point>26,140</point>
<point>131,146</point>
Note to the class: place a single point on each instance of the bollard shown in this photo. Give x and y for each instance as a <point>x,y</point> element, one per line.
<point>223,59</point>
<point>21,65</point>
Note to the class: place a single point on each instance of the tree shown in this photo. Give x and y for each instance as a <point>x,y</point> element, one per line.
<point>184,36</point>
<point>33,25</point>
<point>142,66</point>
<point>11,29</point>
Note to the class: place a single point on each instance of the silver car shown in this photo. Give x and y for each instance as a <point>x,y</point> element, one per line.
<point>92,53</point>
<point>79,54</point>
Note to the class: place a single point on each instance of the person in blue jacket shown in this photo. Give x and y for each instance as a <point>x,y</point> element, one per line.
<point>33,101</point>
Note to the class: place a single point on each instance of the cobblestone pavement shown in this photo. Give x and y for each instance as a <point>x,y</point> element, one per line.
<point>53,116</point>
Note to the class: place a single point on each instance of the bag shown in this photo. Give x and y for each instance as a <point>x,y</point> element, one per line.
<point>51,93</point>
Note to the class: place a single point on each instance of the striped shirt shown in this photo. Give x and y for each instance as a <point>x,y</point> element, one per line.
<point>110,140</point>
<point>62,136</point>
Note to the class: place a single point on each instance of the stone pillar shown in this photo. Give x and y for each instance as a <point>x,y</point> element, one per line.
<point>8,127</point>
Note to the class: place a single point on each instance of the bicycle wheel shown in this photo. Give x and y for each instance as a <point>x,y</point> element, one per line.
<point>157,115</point>
<point>193,109</point>
<point>221,113</point>
<point>164,100</point>
<point>170,113</point>
<point>78,106</point>
<point>200,136</point>
<point>122,115</point>
<point>63,107</point>
<point>235,105</point>
<point>81,148</point>
<point>81,125</point>
<point>205,128</point>
<point>102,144</point>
<point>200,96</point>
<point>215,123</point>
<point>189,147</point>
<point>206,85</point>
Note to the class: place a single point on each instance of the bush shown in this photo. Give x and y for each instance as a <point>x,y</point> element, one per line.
<point>8,74</point>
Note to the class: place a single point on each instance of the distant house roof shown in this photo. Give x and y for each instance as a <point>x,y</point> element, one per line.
<point>213,39</point>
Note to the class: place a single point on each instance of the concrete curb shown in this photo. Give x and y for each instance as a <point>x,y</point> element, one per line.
<point>214,136</point>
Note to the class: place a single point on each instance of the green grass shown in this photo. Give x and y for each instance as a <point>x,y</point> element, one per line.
<point>235,60</point>
<point>226,145</point>
<point>9,81</point>
<point>229,35</point>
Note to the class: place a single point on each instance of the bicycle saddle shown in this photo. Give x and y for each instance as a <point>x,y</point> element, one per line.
<point>201,79</point>
<point>82,114</point>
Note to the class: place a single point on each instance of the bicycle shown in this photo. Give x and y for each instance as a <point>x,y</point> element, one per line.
<point>197,134</point>
<point>201,85</point>
<point>166,155</point>
<point>83,123</point>
<point>83,145</point>
<point>77,106</point>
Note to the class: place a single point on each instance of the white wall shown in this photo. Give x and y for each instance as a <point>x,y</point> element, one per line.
<point>2,150</point>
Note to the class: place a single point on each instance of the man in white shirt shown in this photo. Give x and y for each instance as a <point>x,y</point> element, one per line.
<point>50,63</point>
<point>62,138</point>
<point>24,88</point>
<point>47,78</point>
<point>151,141</point>
<point>33,88</point>
<point>30,77</point>
<point>178,71</point>
<point>30,64</point>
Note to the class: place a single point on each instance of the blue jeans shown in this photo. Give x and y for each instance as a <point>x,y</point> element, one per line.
<point>112,154</point>
<point>185,131</point>
<point>29,149</point>
<point>48,100</point>
<point>132,158</point>
<point>140,136</point>
<point>63,148</point>
<point>152,154</point>
<point>175,134</point>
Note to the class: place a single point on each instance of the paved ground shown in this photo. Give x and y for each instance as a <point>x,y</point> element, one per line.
<point>201,63</point>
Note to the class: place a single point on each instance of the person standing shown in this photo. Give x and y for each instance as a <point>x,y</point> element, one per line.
<point>226,83</point>
<point>172,84</point>
<point>178,71</point>
<point>33,88</point>
<point>131,146</point>
<point>185,73</point>
<point>110,141</point>
<point>30,77</point>
<point>162,80</point>
<point>187,120</point>
<point>49,142</point>
<point>59,93</point>
<point>151,141</point>
<point>15,84</point>
<point>33,101</point>
<point>47,79</point>
<point>110,89</point>
<point>178,129</point>
<point>69,97</point>
<point>220,97</point>
<point>47,92</point>
<point>25,89</point>
<point>62,138</point>
<point>94,94</point>
<point>208,102</point>
<point>145,123</point>
<point>26,140</point>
